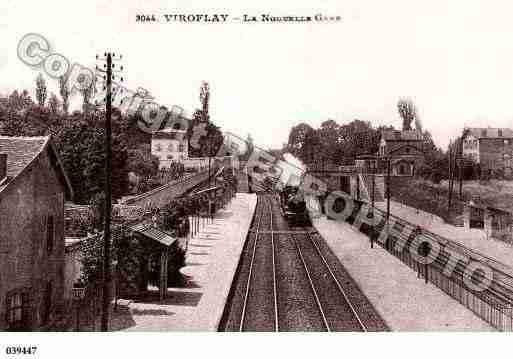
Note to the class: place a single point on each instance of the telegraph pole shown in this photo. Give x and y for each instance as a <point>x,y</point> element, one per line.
<point>108,199</point>
<point>451,174</point>
<point>107,275</point>
<point>204,98</point>
<point>460,168</point>
<point>373,169</point>
<point>388,187</point>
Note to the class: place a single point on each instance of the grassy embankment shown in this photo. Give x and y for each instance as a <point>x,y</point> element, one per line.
<point>433,198</point>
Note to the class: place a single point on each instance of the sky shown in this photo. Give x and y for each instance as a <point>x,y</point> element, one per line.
<point>454,59</point>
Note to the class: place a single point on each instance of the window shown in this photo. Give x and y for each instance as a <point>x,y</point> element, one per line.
<point>158,147</point>
<point>181,147</point>
<point>483,132</point>
<point>171,147</point>
<point>16,310</point>
<point>500,133</point>
<point>49,234</point>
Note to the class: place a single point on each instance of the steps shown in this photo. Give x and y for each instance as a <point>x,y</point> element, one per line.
<point>366,187</point>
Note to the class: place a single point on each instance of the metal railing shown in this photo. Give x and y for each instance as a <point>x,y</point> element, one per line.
<point>493,305</point>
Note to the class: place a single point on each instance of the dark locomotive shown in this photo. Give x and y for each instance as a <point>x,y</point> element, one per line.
<point>294,207</point>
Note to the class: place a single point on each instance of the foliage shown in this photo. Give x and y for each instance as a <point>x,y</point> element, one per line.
<point>138,260</point>
<point>79,139</point>
<point>331,142</point>
<point>408,113</point>
<point>54,103</point>
<point>64,91</point>
<point>426,196</point>
<point>208,144</point>
<point>40,90</point>
<point>211,139</point>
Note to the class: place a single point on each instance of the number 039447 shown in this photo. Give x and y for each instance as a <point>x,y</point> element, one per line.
<point>20,350</point>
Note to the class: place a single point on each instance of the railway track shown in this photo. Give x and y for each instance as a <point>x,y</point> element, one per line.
<point>288,280</point>
<point>260,320</point>
<point>335,306</point>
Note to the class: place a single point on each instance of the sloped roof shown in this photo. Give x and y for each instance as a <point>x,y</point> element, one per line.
<point>396,135</point>
<point>488,132</point>
<point>151,232</point>
<point>21,153</point>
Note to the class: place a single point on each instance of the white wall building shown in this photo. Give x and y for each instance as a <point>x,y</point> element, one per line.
<point>169,145</point>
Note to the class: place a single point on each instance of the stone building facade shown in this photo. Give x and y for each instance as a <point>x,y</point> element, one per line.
<point>491,148</point>
<point>33,189</point>
<point>405,150</point>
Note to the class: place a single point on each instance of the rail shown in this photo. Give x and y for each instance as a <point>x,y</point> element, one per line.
<point>341,290</point>
<point>250,275</point>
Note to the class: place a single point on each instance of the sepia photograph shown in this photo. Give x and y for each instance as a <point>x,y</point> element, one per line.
<point>171,170</point>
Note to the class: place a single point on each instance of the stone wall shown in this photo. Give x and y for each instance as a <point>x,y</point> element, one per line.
<point>162,195</point>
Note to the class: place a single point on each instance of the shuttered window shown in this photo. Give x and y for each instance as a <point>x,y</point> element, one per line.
<point>17,302</point>
<point>50,228</point>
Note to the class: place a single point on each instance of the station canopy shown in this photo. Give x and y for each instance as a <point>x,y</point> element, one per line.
<point>153,233</point>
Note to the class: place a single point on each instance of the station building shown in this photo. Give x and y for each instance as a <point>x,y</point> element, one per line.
<point>405,150</point>
<point>33,190</point>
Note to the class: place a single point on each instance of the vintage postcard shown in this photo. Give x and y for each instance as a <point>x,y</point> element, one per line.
<point>183,166</point>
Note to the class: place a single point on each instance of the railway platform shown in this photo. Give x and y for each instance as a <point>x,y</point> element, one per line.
<point>405,302</point>
<point>211,262</point>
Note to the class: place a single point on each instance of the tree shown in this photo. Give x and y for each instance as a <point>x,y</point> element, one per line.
<point>64,92</point>
<point>329,133</point>
<point>204,98</point>
<point>312,149</point>
<point>81,146</point>
<point>297,140</point>
<point>142,162</point>
<point>53,103</point>
<point>407,111</point>
<point>211,137</point>
<point>357,138</point>
<point>86,99</point>
<point>40,90</point>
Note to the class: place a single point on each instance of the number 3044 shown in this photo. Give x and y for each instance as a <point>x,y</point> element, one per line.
<point>145,18</point>
<point>20,350</point>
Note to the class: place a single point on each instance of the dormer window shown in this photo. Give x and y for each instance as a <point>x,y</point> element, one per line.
<point>500,133</point>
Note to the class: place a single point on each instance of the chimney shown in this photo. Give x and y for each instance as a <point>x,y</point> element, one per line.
<point>3,166</point>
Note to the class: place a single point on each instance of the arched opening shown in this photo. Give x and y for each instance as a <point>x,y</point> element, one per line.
<point>404,168</point>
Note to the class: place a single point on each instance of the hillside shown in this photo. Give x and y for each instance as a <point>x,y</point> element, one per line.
<point>433,198</point>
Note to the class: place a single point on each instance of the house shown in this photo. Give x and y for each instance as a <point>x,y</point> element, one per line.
<point>33,189</point>
<point>169,145</point>
<point>491,148</point>
<point>405,150</point>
